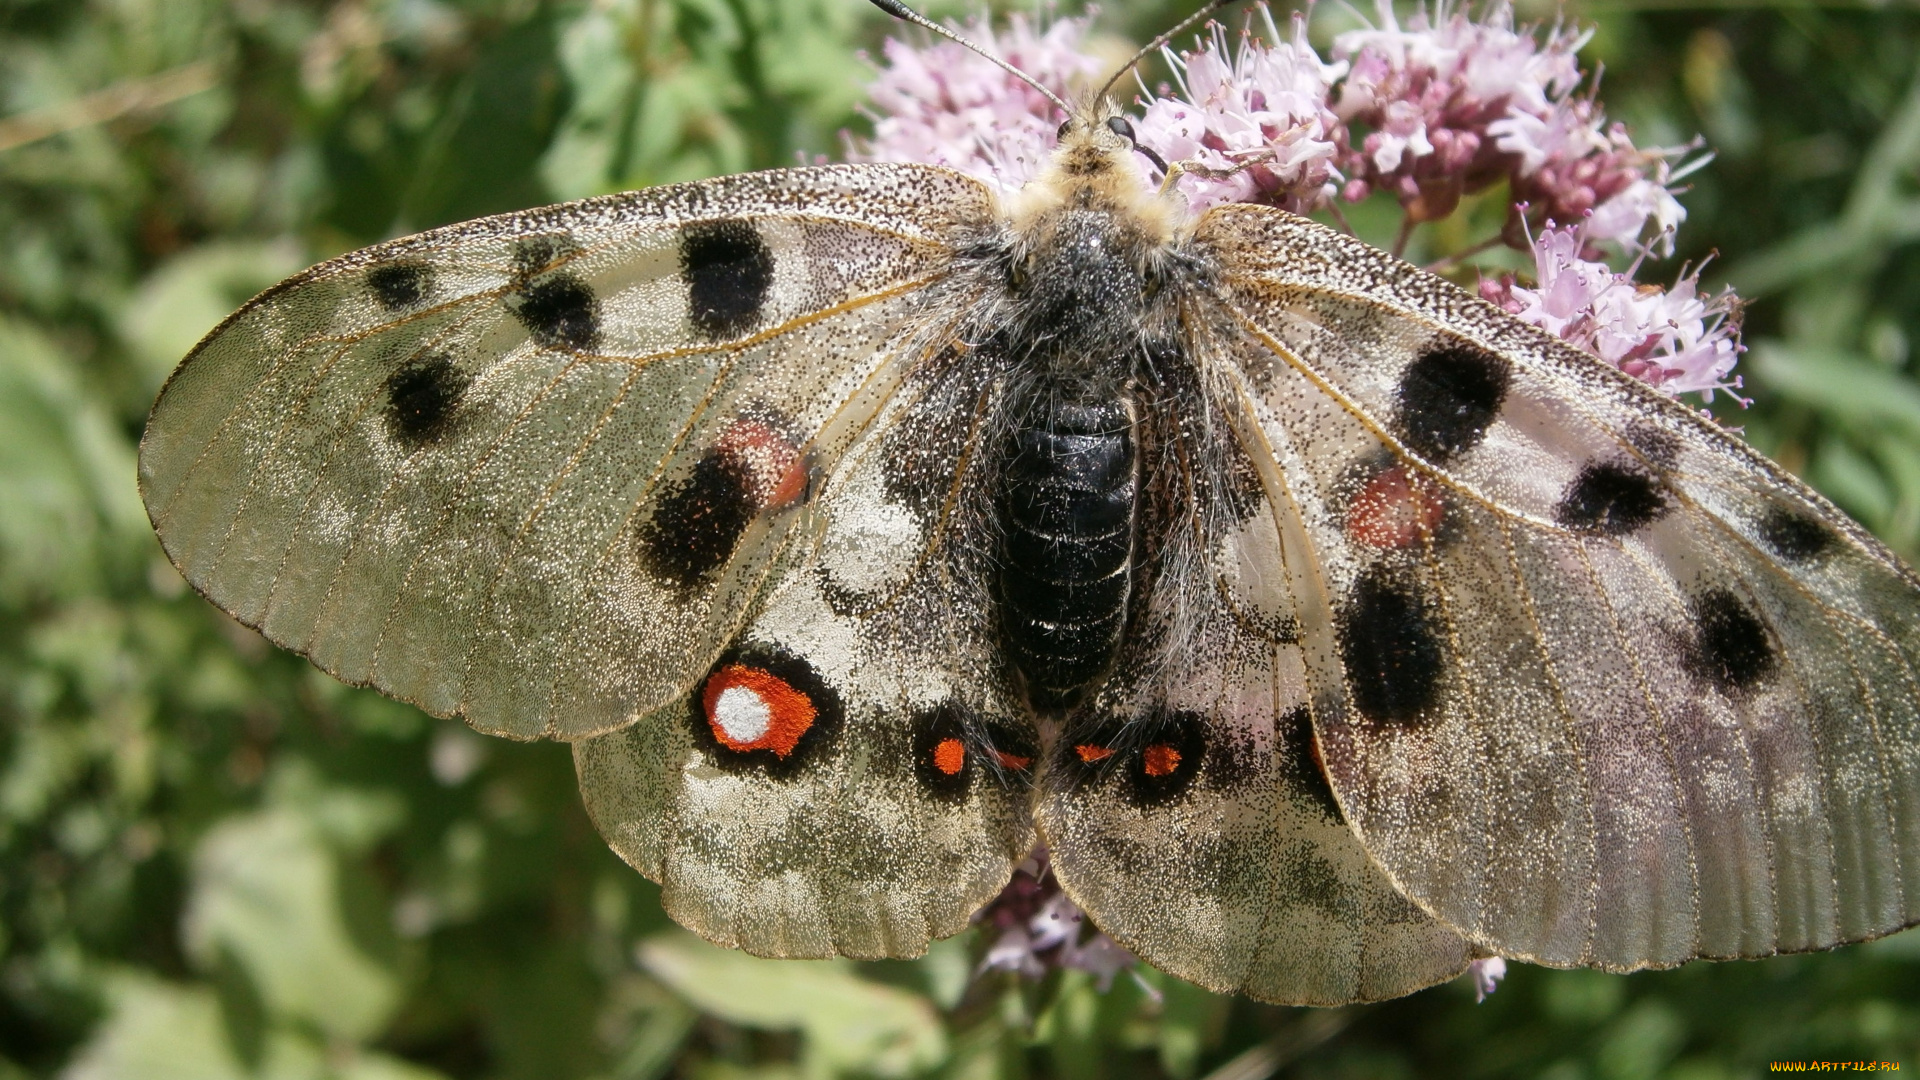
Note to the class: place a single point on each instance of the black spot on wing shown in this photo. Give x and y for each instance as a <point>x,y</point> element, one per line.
<point>1793,535</point>
<point>728,271</point>
<point>1731,647</point>
<point>1391,649</point>
<point>1154,758</point>
<point>397,286</point>
<point>1612,499</point>
<point>952,744</point>
<point>1448,397</point>
<point>1657,445</point>
<point>699,521</point>
<point>943,754</point>
<point>1171,748</point>
<point>560,311</point>
<point>536,254</point>
<point>421,398</point>
<point>1013,748</point>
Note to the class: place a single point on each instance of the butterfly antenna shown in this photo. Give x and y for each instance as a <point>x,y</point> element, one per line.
<point>906,14</point>
<point>1158,43</point>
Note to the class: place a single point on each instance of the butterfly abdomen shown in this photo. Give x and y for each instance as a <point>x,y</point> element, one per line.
<point>1067,527</point>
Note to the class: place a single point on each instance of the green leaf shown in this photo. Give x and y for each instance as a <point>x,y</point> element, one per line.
<point>848,1023</point>
<point>1641,1042</point>
<point>157,1030</point>
<point>266,893</point>
<point>178,303</point>
<point>67,498</point>
<point>1850,387</point>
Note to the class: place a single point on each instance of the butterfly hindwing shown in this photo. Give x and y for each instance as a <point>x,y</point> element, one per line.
<point>1595,683</point>
<point>852,777</point>
<point>533,468</point>
<point>1185,807</point>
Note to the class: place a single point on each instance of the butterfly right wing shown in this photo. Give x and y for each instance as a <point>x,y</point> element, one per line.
<point>1594,682</point>
<point>895,803</point>
<point>532,469</point>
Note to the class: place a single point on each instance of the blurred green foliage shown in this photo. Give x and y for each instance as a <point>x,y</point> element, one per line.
<point>216,862</point>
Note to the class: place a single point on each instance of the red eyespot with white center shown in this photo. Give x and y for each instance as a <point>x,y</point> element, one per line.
<point>1395,509</point>
<point>750,708</point>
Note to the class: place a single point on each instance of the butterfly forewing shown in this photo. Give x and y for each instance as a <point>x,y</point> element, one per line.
<point>1594,683</point>
<point>530,468</point>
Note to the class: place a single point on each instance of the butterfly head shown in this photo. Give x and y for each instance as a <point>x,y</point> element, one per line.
<point>1098,165</point>
<point>1097,137</point>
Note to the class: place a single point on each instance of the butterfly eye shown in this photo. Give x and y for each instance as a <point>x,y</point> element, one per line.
<point>1123,127</point>
<point>1065,126</point>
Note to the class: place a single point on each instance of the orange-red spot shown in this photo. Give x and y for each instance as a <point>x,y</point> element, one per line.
<point>792,485</point>
<point>774,469</point>
<point>1160,760</point>
<point>950,756</point>
<point>1394,509</point>
<point>1090,754</point>
<point>1012,761</point>
<point>738,699</point>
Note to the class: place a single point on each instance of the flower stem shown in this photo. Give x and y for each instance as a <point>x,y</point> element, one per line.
<point>1339,217</point>
<point>1457,257</point>
<point>1406,234</point>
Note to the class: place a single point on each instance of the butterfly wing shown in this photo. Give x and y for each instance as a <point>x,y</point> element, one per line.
<point>533,469</point>
<point>1185,810</point>
<point>901,805</point>
<point>1594,682</point>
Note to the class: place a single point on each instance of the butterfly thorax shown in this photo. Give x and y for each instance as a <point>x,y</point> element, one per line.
<point>1081,305</point>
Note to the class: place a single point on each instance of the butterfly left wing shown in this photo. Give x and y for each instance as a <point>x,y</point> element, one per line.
<point>1185,809</point>
<point>886,799</point>
<point>1594,682</point>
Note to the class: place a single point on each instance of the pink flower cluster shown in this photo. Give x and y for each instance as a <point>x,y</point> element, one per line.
<point>1430,110</point>
<point>1486,974</point>
<point>1250,124</point>
<point>1432,95</point>
<point>944,104</point>
<point>1036,927</point>
<point>1672,338</point>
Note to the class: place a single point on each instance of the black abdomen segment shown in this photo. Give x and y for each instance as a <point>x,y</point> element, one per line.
<point>1067,516</point>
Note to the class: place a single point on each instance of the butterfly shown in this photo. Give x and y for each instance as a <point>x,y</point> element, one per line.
<point>861,528</point>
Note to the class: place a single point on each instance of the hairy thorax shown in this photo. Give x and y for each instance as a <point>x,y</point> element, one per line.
<point>1087,247</point>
